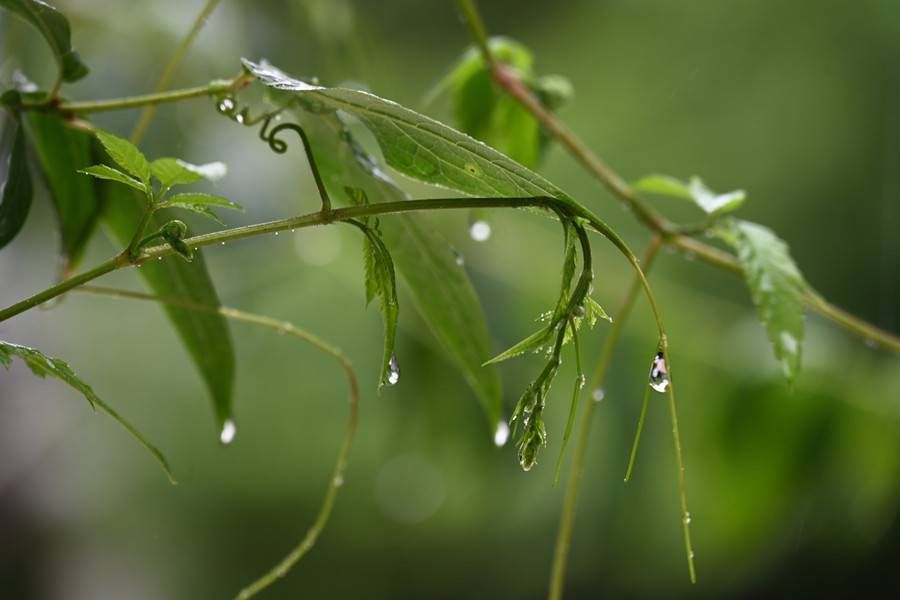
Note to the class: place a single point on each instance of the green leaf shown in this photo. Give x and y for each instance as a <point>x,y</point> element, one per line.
<point>15,201</point>
<point>111,174</point>
<point>55,29</point>
<point>380,276</point>
<point>42,365</point>
<point>202,199</point>
<point>440,287</point>
<point>532,342</point>
<point>126,155</point>
<point>174,171</point>
<point>60,151</point>
<point>776,286</point>
<point>708,201</point>
<point>205,336</point>
<point>419,146</point>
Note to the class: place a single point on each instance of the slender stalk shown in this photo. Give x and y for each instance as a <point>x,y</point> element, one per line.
<point>679,463</point>
<point>637,434</point>
<point>219,86</point>
<point>149,111</point>
<point>570,501</point>
<point>337,476</point>
<point>476,26</point>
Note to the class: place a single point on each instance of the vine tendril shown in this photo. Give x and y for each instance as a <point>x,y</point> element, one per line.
<point>279,146</point>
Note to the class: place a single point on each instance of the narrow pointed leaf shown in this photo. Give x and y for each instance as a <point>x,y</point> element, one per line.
<point>202,199</point>
<point>695,190</point>
<point>440,287</point>
<point>111,174</point>
<point>15,180</point>
<point>55,29</point>
<point>42,365</point>
<point>60,152</point>
<point>776,286</point>
<point>532,342</point>
<point>126,155</point>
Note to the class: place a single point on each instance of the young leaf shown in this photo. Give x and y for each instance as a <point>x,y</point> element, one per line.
<point>60,151</point>
<point>383,282</point>
<point>55,29</point>
<point>776,286</point>
<point>202,199</point>
<point>126,155</point>
<point>421,147</point>
<point>15,201</point>
<point>42,365</point>
<point>174,171</point>
<point>440,288</point>
<point>111,174</point>
<point>532,342</point>
<point>205,336</point>
<point>707,200</point>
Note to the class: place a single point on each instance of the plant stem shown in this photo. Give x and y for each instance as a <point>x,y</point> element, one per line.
<point>149,111</point>
<point>637,434</point>
<point>337,476</point>
<point>218,86</point>
<point>570,501</point>
<point>511,84</point>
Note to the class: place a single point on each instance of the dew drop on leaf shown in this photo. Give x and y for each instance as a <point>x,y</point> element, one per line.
<point>501,434</point>
<point>394,374</point>
<point>229,429</point>
<point>480,231</point>
<point>659,373</point>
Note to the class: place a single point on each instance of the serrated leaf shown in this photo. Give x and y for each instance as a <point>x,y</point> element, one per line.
<point>202,199</point>
<point>199,209</point>
<point>174,171</point>
<point>776,286</point>
<point>15,201</point>
<point>126,155</point>
<point>55,29</point>
<point>708,201</point>
<point>205,335</point>
<point>441,290</point>
<point>111,174</point>
<point>42,365</point>
<point>60,151</point>
<point>421,147</point>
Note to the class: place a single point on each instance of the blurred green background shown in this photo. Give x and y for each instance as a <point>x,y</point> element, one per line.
<point>792,492</point>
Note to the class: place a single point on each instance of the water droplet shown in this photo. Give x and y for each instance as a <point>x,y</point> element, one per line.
<point>394,375</point>
<point>501,434</point>
<point>293,230</point>
<point>581,381</point>
<point>871,343</point>
<point>226,104</point>
<point>598,395</point>
<point>276,233</point>
<point>229,429</point>
<point>480,231</point>
<point>460,259</point>
<point>691,555</point>
<point>687,518</point>
<point>159,258</point>
<point>659,373</point>
<point>240,118</point>
<point>338,481</point>
<point>223,243</point>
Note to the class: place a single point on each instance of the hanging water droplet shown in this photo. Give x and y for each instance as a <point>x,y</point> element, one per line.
<point>226,105</point>
<point>229,429</point>
<point>480,231</point>
<point>501,434</point>
<point>659,373</point>
<point>687,518</point>
<point>394,375</point>
<point>598,395</point>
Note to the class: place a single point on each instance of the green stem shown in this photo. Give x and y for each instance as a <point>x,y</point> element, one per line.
<point>150,110</point>
<point>213,88</point>
<point>337,476</point>
<point>476,27</point>
<point>637,434</point>
<point>570,501</point>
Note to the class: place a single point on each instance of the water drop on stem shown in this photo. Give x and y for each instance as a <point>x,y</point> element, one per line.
<point>394,371</point>
<point>501,434</point>
<point>659,373</point>
<point>229,429</point>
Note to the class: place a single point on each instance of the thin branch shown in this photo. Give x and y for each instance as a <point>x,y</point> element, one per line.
<point>149,111</point>
<point>338,474</point>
